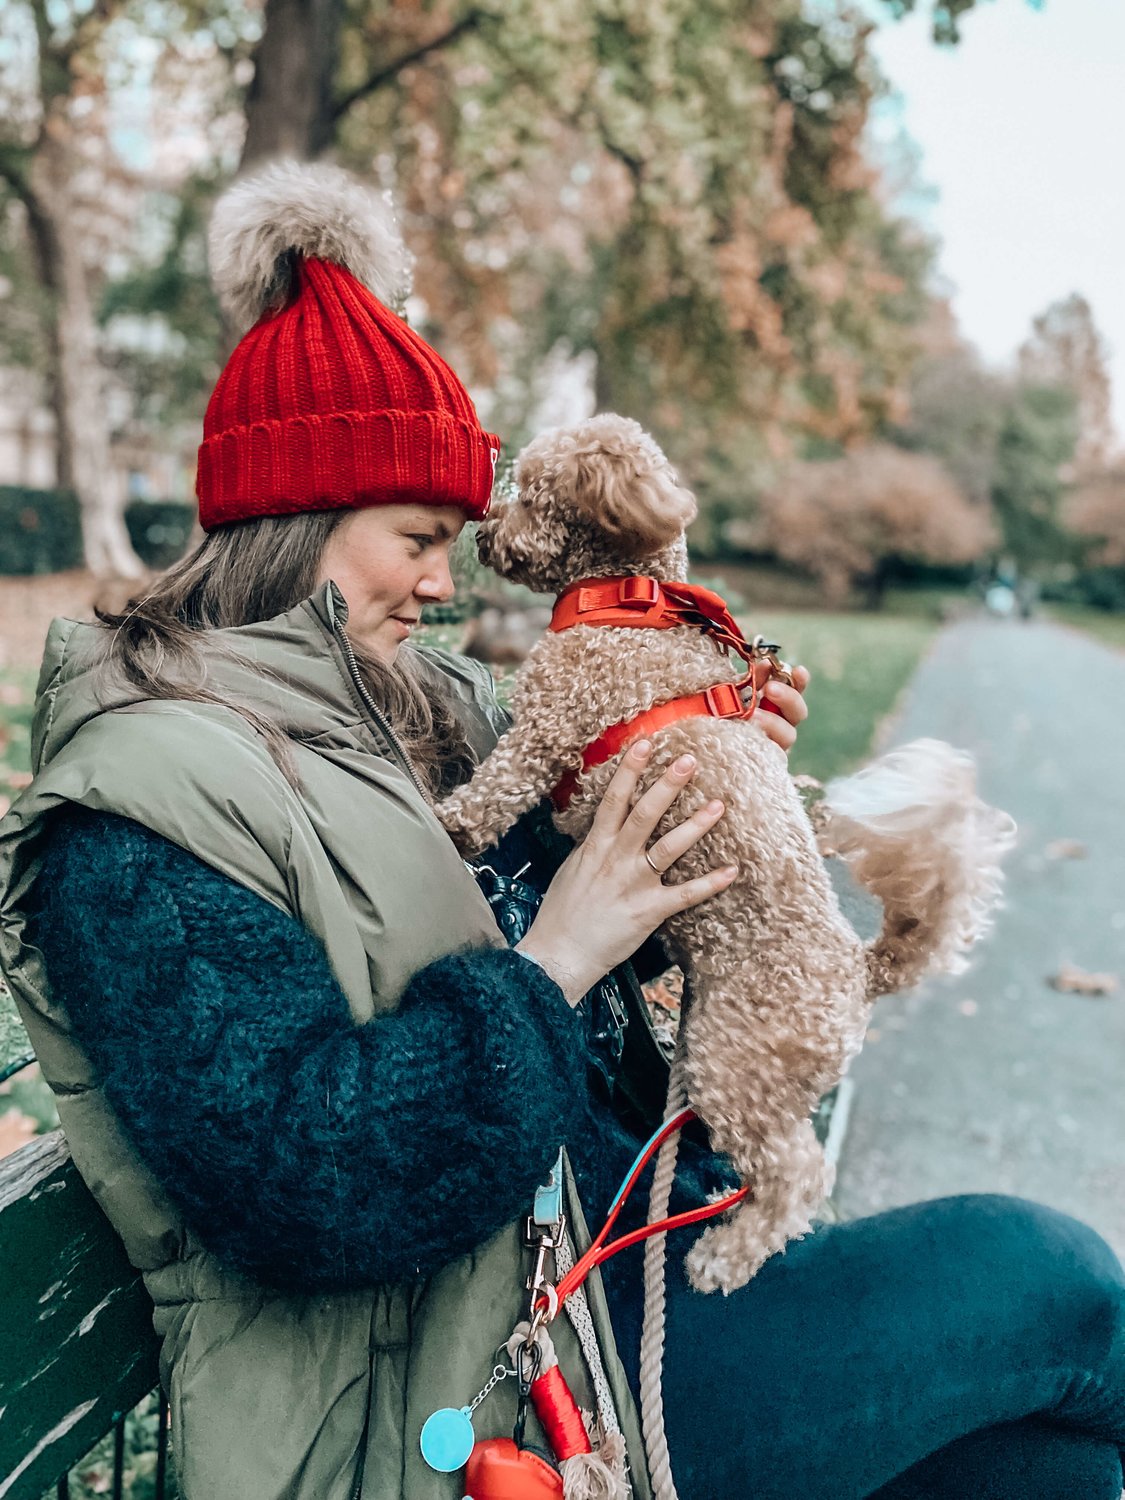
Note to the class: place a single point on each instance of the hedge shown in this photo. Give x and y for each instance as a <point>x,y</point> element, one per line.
<point>40,530</point>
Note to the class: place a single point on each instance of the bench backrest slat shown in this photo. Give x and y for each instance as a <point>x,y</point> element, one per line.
<point>77,1347</point>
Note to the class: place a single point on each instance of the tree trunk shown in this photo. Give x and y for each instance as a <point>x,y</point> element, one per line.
<point>75,384</point>
<point>289,104</point>
<point>875,583</point>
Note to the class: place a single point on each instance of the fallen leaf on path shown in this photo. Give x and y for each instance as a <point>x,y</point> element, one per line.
<point>1066,849</point>
<point>1075,981</point>
<point>660,994</point>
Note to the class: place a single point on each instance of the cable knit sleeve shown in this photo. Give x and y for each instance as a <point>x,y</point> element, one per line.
<point>308,1152</point>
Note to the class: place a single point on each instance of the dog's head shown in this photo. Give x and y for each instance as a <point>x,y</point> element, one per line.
<point>595,499</point>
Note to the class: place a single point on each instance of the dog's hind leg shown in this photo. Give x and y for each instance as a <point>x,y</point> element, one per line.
<point>789,1179</point>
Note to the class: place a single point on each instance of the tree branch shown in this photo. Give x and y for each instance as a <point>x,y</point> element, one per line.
<point>388,74</point>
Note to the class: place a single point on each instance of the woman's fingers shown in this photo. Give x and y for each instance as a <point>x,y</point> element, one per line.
<point>790,700</point>
<point>781,727</point>
<point>639,825</point>
<point>692,892</point>
<point>779,730</point>
<point>613,809</point>
<point>667,850</point>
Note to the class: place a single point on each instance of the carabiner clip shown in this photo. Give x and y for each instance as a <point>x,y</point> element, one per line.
<point>540,1315</point>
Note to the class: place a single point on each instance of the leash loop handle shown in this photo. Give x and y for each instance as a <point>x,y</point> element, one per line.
<point>602,1248</point>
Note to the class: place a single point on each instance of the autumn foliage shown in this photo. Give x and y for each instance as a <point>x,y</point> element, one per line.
<point>1095,509</point>
<point>847,520</point>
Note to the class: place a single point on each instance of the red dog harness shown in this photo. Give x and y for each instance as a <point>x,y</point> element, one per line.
<point>645,603</point>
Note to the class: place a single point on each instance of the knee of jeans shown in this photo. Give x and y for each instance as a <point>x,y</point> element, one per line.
<point>1071,1277</point>
<point>1092,1471</point>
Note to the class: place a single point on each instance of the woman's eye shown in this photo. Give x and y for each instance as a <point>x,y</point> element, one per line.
<point>423,541</point>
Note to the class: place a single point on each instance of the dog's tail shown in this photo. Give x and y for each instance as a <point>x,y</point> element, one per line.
<point>914,832</point>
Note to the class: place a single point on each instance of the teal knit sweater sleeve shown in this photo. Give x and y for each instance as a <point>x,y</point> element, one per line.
<point>305,1151</point>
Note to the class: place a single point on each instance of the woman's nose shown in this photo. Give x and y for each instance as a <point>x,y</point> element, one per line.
<point>437,585</point>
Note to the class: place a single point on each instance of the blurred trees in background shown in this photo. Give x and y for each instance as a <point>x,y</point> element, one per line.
<point>1066,351</point>
<point>1095,510</point>
<point>1008,440</point>
<point>668,208</point>
<point>55,165</point>
<point>851,521</point>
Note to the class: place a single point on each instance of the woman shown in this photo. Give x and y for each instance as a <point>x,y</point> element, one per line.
<point>313,1089</point>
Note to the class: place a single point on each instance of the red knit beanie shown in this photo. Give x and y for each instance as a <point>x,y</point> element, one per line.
<point>330,400</point>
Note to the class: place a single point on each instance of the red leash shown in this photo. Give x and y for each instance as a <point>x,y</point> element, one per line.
<point>602,1248</point>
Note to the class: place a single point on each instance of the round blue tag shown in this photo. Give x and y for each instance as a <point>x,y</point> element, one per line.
<point>447,1439</point>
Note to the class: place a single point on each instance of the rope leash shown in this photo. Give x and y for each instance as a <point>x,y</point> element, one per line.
<point>652,1333</point>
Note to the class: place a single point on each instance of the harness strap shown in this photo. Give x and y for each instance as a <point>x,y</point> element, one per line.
<point>647,603</point>
<point>723,701</point>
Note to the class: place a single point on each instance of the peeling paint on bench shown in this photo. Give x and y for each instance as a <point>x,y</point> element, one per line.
<point>77,1347</point>
<point>59,1430</point>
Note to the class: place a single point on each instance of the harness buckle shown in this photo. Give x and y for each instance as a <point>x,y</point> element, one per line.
<point>644,591</point>
<point>724,701</point>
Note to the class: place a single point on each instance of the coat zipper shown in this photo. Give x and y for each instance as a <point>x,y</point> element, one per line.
<point>361,1471</point>
<point>380,718</point>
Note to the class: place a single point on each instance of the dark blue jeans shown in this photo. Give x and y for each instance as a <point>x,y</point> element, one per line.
<point>971,1348</point>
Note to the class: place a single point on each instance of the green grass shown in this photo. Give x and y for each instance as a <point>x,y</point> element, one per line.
<point>859,664</point>
<point>1099,623</point>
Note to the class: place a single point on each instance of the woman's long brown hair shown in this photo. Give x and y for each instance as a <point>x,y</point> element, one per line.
<point>251,571</point>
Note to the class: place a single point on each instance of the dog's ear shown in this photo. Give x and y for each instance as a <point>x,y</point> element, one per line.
<point>634,501</point>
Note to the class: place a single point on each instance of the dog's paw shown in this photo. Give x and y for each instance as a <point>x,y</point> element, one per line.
<point>721,1261</point>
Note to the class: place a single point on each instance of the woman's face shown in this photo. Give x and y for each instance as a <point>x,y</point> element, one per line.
<point>389,560</point>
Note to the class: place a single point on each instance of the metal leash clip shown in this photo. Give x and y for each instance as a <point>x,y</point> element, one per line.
<point>543,1232</point>
<point>767,651</point>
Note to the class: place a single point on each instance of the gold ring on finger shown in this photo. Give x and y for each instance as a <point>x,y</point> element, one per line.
<point>653,866</point>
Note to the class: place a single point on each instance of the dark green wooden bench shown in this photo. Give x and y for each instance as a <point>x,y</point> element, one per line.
<point>77,1349</point>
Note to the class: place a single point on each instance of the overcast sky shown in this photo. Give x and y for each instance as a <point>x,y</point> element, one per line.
<point>1021,130</point>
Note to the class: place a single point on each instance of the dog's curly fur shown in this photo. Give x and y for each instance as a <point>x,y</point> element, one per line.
<point>780,984</point>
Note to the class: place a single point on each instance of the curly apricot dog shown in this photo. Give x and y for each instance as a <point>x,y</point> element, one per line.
<point>780,985</point>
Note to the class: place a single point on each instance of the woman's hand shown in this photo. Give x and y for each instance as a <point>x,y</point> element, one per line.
<point>782,727</point>
<point>607,897</point>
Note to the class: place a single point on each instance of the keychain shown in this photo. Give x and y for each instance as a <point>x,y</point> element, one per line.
<point>447,1437</point>
<point>506,1468</point>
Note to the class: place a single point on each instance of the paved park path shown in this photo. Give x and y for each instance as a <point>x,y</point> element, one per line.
<point>995,1081</point>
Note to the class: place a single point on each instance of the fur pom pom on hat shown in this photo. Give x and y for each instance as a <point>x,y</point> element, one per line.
<point>261,224</point>
<point>330,400</point>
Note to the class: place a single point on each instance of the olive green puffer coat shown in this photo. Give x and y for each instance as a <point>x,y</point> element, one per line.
<point>318,1397</point>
